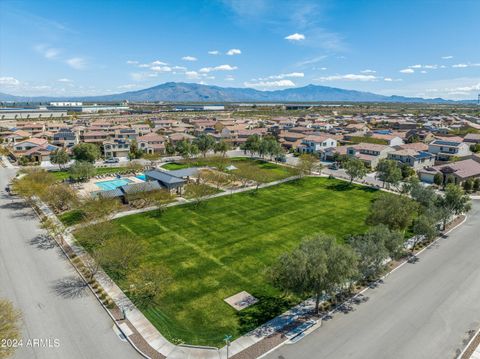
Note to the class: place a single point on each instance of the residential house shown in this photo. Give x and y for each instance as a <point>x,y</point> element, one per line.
<point>460,170</point>
<point>116,148</point>
<point>316,143</point>
<point>65,138</point>
<point>472,138</point>
<point>152,143</point>
<point>413,158</point>
<point>444,150</point>
<point>369,153</point>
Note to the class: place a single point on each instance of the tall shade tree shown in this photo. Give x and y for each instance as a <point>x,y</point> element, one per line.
<point>307,164</point>
<point>82,170</point>
<point>36,182</point>
<point>454,202</point>
<point>388,172</point>
<point>9,327</point>
<point>204,143</point>
<point>88,152</point>
<point>317,267</point>
<point>252,144</point>
<point>221,147</point>
<point>396,212</point>
<point>60,157</point>
<point>354,168</point>
<point>372,253</point>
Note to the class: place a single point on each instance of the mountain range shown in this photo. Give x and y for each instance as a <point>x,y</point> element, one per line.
<point>192,92</point>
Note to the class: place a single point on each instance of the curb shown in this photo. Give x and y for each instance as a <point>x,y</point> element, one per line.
<point>320,320</point>
<point>37,209</point>
<point>468,344</point>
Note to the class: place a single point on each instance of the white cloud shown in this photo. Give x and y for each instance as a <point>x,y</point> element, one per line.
<point>64,80</point>
<point>447,57</point>
<point>368,71</point>
<point>189,58</point>
<point>291,74</point>
<point>218,68</point>
<point>47,52</point>
<point>466,65</point>
<point>76,63</point>
<point>132,62</point>
<point>423,72</point>
<point>270,84</point>
<point>323,68</point>
<point>214,52</point>
<point>388,79</point>
<point>144,65</point>
<point>348,77</point>
<point>229,78</point>
<point>179,68</point>
<point>159,63</point>
<point>415,66</point>
<point>161,68</point>
<point>9,81</point>
<point>407,71</point>
<point>232,52</point>
<point>192,75</point>
<point>295,37</point>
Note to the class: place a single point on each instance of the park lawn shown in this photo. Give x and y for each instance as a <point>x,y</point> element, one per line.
<point>62,175</point>
<point>272,171</point>
<point>223,247</point>
<point>72,217</point>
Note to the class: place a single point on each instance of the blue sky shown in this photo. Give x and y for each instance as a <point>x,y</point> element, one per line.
<point>427,48</point>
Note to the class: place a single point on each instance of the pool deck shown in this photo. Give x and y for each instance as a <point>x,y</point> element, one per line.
<point>85,189</point>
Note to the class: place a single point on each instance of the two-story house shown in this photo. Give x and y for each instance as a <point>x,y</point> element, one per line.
<point>413,158</point>
<point>316,143</point>
<point>444,150</point>
<point>369,153</point>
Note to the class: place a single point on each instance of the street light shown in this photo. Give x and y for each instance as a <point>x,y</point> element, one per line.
<point>227,341</point>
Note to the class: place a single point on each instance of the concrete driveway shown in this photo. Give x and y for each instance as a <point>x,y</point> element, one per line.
<point>38,279</point>
<point>423,310</point>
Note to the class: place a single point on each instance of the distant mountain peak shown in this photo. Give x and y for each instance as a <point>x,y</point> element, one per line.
<point>194,92</point>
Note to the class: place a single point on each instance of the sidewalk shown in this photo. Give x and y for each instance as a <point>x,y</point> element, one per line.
<point>6,162</point>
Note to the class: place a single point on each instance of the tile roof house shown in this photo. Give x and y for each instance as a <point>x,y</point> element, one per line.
<point>472,138</point>
<point>369,153</point>
<point>152,143</point>
<point>412,158</point>
<point>316,143</point>
<point>461,170</point>
<point>444,149</point>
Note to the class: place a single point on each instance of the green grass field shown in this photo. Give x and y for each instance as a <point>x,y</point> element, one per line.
<point>272,171</point>
<point>61,175</point>
<point>223,247</point>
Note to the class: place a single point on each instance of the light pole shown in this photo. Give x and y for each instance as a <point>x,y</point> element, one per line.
<point>227,341</point>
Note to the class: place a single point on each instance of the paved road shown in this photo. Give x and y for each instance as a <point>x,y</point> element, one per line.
<point>423,310</point>
<point>42,284</point>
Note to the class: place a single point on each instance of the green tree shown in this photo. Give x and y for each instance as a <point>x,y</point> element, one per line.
<point>252,144</point>
<point>59,157</point>
<point>454,202</point>
<point>170,148</point>
<point>354,168</point>
<point>476,185</point>
<point>396,212</point>
<point>388,172</point>
<point>87,152</point>
<point>307,164</point>
<point>317,267</point>
<point>10,320</point>
<point>424,227</point>
<point>468,185</point>
<point>438,179</point>
<point>204,143</point>
<point>82,170</point>
<point>372,254</point>
<point>134,152</point>
<point>221,147</point>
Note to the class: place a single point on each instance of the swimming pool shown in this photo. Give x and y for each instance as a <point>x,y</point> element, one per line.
<point>142,177</point>
<point>112,184</point>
